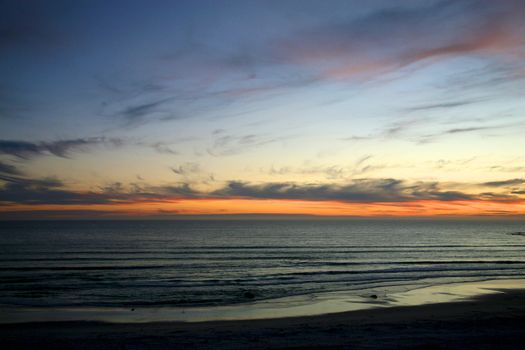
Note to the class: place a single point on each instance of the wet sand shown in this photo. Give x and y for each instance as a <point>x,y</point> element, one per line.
<point>484,322</point>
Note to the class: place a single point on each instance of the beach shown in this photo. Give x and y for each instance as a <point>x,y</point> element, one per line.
<point>489,321</point>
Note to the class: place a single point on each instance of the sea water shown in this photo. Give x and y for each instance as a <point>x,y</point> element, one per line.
<point>217,264</point>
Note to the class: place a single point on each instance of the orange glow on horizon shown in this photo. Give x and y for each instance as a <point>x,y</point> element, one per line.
<point>286,207</point>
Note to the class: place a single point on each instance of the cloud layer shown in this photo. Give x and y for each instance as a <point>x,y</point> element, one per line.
<point>22,190</point>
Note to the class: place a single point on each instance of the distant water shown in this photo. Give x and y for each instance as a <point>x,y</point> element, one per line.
<point>214,263</point>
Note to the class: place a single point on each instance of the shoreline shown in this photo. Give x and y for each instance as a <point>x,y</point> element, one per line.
<point>296,306</point>
<point>485,321</point>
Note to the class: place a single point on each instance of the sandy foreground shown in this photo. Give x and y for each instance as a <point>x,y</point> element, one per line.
<point>493,321</point>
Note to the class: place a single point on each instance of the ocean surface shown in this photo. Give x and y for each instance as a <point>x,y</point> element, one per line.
<point>182,264</point>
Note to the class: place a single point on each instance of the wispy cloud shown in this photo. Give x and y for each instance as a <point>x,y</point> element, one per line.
<point>504,183</point>
<point>442,105</point>
<point>164,148</point>
<point>335,171</point>
<point>186,168</point>
<point>60,148</point>
<point>421,139</point>
<point>468,129</point>
<point>409,129</point>
<point>227,145</point>
<point>507,169</point>
<point>138,113</point>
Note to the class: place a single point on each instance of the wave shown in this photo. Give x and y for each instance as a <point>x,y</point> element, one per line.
<point>269,248</point>
<point>148,267</point>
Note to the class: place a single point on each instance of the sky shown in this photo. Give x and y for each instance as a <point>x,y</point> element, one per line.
<point>164,109</point>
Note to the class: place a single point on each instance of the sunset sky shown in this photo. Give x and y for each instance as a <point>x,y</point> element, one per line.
<point>347,108</point>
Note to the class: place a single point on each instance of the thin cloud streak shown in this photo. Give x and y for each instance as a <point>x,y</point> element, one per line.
<point>504,183</point>
<point>61,148</point>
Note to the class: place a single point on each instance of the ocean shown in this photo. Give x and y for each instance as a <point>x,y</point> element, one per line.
<point>206,263</point>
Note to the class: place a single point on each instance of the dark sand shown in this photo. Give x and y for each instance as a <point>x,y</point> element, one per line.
<point>495,321</point>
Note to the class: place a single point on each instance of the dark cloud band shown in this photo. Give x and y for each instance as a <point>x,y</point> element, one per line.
<point>20,190</point>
